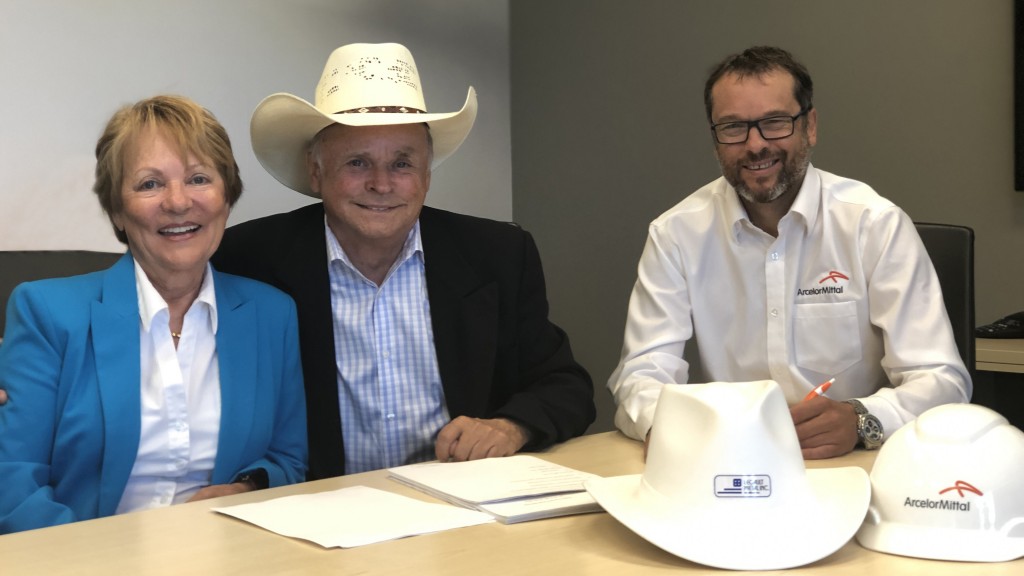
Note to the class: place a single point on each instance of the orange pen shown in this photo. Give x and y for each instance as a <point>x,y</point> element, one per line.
<point>820,390</point>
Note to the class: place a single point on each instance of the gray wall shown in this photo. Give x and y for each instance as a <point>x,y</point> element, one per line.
<point>67,65</point>
<point>914,97</point>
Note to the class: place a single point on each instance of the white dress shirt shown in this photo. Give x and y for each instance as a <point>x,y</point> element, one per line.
<point>180,400</point>
<point>847,290</point>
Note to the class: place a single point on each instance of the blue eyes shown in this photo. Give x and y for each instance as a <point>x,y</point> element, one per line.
<point>153,184</point>
<point>360,163</point>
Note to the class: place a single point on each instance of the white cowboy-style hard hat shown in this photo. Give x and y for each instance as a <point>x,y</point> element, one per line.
<point>725,483</point>
<point>362,85</point>
<point>947,487</point>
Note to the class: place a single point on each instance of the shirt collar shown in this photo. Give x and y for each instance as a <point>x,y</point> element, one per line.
<point>806,204</point>
<point>808,199</point>
<point>151,303</point>
<point>413,246</point>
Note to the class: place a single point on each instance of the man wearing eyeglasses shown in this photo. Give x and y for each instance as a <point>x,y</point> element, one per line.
<point>780,271</point>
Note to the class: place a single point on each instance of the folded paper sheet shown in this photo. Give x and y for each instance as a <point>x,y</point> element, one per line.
<point>353,516</point>
<point>513,489</point>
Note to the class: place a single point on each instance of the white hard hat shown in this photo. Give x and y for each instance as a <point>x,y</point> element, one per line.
<point>947,487</point>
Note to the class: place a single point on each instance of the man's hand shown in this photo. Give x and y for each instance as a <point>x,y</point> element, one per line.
<point>3,397</point>
<point>825,428</point>
<point>468,438</point>
<point>218,490</point>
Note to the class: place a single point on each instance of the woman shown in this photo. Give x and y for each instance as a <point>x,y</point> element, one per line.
<point>158,380</point>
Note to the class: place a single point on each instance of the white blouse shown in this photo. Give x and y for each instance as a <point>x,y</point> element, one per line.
<point>180,396</point>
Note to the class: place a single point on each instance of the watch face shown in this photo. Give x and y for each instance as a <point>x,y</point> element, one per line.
<point>871,431</point>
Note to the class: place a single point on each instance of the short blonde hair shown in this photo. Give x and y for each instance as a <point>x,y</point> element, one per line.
<point>193,130</point>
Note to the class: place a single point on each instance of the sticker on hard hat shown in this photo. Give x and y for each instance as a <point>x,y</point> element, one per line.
<point>743,486</point>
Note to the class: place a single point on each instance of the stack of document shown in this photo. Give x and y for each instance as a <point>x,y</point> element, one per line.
<point>513,489</point>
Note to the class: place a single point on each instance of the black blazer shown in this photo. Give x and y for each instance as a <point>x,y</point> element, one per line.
<point>497,352</point>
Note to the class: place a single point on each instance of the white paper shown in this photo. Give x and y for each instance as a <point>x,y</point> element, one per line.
<point>353,516</point>
<point>513,489</point>
<point>526,509</point>
<point>494,479</point>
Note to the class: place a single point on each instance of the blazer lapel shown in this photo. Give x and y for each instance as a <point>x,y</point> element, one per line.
<point>464,317</point>
<point>115,339</point>
<point>303,274</point>
<point>236,335</point>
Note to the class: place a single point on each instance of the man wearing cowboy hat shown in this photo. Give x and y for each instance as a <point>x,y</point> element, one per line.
<point>424,333</point>
<point>782,271</point>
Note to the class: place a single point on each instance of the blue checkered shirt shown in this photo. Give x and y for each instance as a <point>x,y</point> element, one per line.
<point>389,387</point>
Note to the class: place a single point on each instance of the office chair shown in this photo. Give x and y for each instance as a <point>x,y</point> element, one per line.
<point>951,249</point>
<point>25,265</point>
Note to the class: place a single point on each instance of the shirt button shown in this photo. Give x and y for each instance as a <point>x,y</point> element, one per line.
<point>775,256</point>
<point>774,313</point>
<point>387,354</point>
<point>390,416</point>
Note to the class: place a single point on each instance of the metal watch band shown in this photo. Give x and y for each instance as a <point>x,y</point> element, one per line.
<point>857,406</point>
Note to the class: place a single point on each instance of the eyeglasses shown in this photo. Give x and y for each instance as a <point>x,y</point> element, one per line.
<point>771,128</point>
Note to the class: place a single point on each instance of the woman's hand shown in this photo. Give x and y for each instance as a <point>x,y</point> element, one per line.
<point>218,490</point>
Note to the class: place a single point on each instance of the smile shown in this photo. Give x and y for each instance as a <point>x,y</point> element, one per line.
<point>761,165</point>
<point>177,230</point>
<point>376,208</point>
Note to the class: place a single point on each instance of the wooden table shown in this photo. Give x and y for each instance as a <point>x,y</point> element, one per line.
<point>999,355</point>
<point>190,539</point>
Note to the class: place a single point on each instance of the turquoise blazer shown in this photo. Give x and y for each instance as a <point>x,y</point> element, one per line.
<point>70,362</point>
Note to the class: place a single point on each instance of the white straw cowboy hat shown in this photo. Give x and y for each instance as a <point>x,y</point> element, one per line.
<point>362,85</point>
<point>725,483</point>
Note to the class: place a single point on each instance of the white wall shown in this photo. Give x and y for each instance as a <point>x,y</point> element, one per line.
<point>67,65</point>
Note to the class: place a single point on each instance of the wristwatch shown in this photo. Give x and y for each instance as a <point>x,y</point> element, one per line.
<point>869,428</point>
<point>257,479</point>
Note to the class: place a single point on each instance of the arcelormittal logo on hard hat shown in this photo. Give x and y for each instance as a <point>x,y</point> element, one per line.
<point>946,504</point>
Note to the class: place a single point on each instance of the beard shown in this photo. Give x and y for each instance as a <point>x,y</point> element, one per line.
<point>790,177</point>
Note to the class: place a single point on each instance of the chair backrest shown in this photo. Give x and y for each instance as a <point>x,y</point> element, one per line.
<point>951,249</point>
<point>22,266</point>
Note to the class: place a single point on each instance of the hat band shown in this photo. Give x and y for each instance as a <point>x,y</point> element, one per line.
<point>384,109</point>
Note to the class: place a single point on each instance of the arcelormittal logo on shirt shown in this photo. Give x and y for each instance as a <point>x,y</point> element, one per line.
<point>961,504</point>
<point>831,282</point>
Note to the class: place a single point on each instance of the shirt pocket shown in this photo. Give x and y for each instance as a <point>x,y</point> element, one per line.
<point>826,336</point>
